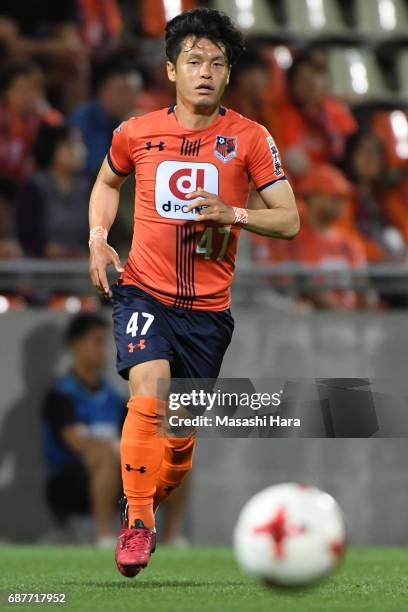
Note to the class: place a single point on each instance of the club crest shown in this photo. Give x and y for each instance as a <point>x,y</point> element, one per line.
<point>225,147</point>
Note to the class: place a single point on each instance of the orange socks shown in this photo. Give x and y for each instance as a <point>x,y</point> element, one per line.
<point>142,450</point>
<point>152,466</point>
<point>177,462</point>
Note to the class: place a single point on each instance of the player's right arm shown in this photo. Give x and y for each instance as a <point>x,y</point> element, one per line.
<point>103,208</point>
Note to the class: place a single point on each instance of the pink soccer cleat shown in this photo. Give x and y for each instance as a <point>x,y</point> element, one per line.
<point>135,544</point>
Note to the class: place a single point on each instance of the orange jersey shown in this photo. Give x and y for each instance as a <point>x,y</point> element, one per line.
<point>181,262</point>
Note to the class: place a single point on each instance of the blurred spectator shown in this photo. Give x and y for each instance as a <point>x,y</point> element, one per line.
<point>312,127</point>
<point>52,207</point>
<point>248,84</point>
<point>392,129</point>
<point>39,28</point>
<point>160,91</point>
<point>101,23</point>
<point>22,108</point>
<point>376,209</point>
<point>117,88</point>
<point>320,242</point>
<point>278,59</point>
<point>49,32</point>
<point>83,416</point>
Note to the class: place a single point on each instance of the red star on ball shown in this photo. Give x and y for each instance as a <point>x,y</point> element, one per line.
<point>279,529</point>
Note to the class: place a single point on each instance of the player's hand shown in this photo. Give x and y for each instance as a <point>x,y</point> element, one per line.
<point>101,256</point>
<point>216,210</point>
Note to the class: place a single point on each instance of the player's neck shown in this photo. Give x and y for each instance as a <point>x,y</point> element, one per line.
<point>193,118</point>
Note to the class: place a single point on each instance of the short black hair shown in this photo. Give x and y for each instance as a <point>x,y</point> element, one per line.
<point>204,23</point>
<point>83,323</point>
<point>48,140</point>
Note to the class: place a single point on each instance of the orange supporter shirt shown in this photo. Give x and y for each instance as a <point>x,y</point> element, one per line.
<point>334,248</point>
<point>179,261</point>
<point>397,208</point>
<point>393,209</point>
<point>313,248</point>
<point>322,139</point>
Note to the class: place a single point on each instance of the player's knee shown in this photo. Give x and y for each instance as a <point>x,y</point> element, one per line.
<point>150,379</point>
<point>146,409</point>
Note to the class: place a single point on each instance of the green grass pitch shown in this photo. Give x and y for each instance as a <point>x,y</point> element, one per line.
<point>195,580</point>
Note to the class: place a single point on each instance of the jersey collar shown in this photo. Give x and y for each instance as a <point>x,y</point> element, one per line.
<point>221,109</point>
<point>221,113</point>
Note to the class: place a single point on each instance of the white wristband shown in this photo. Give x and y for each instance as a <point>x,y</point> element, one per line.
<point>96,233</point>
<point>241,215</point>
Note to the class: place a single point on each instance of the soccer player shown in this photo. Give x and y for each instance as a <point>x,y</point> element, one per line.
<point>193,164</point>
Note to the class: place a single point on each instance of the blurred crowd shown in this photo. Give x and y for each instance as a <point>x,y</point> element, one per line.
<point>71,71</point>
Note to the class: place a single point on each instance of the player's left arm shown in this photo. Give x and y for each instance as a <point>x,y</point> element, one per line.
<point>278,217</point>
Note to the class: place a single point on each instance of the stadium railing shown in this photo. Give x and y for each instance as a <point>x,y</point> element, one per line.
<point>72,276</point>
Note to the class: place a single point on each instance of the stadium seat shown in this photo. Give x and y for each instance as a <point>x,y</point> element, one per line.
<point>381,19</point>
<point>252,16</point>
<point>315,19</point>
<point>356,76</point>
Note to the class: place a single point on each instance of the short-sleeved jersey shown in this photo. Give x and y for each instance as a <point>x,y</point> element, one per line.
<point>182,262</point>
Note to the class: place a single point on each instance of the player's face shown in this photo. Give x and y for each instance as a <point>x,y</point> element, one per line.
<point>201,72</point>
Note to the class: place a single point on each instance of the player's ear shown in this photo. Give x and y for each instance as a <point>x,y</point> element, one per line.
<point>171,71</point>
<point>228,76</point>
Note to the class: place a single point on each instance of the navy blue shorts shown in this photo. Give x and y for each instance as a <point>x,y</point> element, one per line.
<point>193,341</point>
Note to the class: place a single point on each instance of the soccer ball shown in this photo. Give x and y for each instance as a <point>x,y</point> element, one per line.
<point>290,535</point>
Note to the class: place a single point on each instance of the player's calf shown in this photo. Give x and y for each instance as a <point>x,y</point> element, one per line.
<point>176,464</point>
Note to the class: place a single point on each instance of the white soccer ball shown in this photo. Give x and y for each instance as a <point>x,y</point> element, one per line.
<point>290,535</point>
